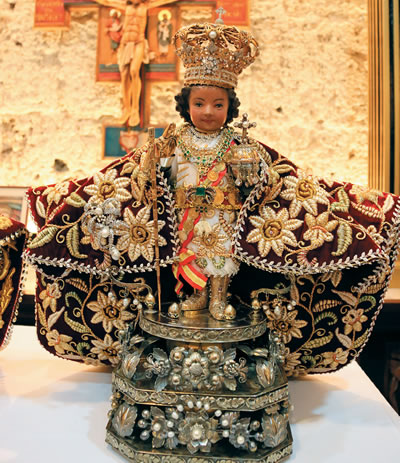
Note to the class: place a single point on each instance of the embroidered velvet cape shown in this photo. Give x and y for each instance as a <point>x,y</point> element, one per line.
<point>332,244</point>
<point>12,242</point>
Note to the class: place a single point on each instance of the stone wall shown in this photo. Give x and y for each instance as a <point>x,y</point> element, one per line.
<point>307,92</point>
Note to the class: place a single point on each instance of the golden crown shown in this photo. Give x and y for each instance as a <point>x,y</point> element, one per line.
<point>214,54</point>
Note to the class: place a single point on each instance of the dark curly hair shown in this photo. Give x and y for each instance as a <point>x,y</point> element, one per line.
<point>182,104</point>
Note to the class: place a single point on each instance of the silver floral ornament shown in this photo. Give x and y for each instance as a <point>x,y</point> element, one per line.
<point>274,429</point>
<point>129,364</point>
<point>124,420</point>
<point>265,372</point>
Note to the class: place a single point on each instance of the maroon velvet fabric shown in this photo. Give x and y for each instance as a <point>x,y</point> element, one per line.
<point>334,244</point>
<point>12,242</point>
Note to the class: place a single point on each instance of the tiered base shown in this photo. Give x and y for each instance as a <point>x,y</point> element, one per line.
<point>194,391</point>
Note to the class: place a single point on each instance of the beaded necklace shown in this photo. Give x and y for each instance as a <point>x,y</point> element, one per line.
<point>204,158</point>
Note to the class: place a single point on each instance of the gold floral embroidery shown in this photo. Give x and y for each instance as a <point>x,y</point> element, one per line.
<point>5,222</point>
<point>210,240</point>
<point>273,230</point>
<point>60,342</point>
<point>109,311</point>
<point>137,234</point>
<point>363,193</point>
<point>353,320</point>
<point>56,192</point>
<point>334,359</point>
<point>108,186</point>
<point>319,229</point>
<point>107,349</point>
<point>292,360</point>
<point>50,295</point>
<point>305,192</point>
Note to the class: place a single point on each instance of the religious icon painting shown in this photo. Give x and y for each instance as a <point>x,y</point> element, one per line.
<point>119,140</point>
<point>161,26</point>
<point>108,38</point>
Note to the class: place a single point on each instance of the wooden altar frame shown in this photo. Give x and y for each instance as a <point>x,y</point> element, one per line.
<point>384,100</point>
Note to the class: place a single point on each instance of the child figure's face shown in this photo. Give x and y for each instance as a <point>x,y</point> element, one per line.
<point>208,108</point>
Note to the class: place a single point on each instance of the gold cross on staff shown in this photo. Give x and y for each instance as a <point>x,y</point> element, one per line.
<point>245,125</point>
<point>220,12</point>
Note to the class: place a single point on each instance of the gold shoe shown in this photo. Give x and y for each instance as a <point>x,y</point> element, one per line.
<point>219,307</point>
<point>197,301</point>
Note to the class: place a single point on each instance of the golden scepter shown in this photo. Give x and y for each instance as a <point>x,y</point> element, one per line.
<point>152,149</point>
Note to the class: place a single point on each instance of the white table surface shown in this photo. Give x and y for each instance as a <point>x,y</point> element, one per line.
<point>54,410</point>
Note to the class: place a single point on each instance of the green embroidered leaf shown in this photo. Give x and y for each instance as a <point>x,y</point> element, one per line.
<point>324,315</point>
<point>74,296</point>
<point>343,204</point>
<point>345,238</point>
<point>73,242</point>
<point>318,342</point>
<point>345,340</point>
<point>361,340</point>
<point>347,297</point>
<point>75,200</point>
<point>81,346</point>
<point>78,327</point>
<point>43,237</point>
<point>370,299</point>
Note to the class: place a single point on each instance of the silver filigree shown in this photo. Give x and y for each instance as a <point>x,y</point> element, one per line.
<point>195,369</point>
<point>124,420</point>
<point>99,221</point>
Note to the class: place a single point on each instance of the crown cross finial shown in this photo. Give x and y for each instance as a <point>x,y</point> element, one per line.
<point>245,125</point>
<point>220,12</point>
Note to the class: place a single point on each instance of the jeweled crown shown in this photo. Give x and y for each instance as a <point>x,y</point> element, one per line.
<point>214,54</point>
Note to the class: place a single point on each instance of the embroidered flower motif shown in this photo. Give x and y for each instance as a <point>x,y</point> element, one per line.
<point>285,323</point>
<point>107,349</point>
<point>109,311</point>
<point>108,186</point>
<point>60,342</point>
<point>273,230</point>
<point>137,234</point>
<point>56,192</point>
<point>319,229</point>
<point>210,241</point>
<point>5,222</point>
<point>292,361</point>
<point>305,192</point>
<point>334,359</point>
<point>50,295</point>
<point>353,320</point>
<point>363,193</point>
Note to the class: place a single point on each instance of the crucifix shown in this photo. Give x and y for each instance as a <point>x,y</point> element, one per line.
<point>245,125</point>
<point>132,52</point>
<point>220,11</point>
